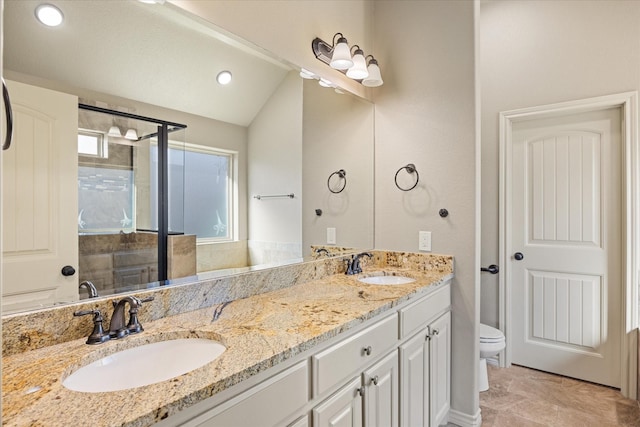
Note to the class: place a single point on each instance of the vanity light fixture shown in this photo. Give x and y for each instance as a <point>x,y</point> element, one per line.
<point>306,74</point>
<point>115,132</point>
<point>359,69</point>
<point>374,79</point>
<point>224,77</point>
<point>341,57</point>
<point>325,83</point>
<point>131,135</point>
<point>49,15</point>
<point>338,56</point>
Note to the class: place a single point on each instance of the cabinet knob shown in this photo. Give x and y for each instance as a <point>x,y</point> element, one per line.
<point>374,380</point>
<point>518,256</point>
<point>360,391</point>
<point>435,332</point>
<point>367,350</point>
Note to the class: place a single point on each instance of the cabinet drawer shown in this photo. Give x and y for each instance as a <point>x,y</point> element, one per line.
<point>419,313</point>
<point>334,365</point>
<point>267,404</point>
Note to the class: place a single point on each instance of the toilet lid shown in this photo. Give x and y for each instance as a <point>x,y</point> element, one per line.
<point>489,334</point>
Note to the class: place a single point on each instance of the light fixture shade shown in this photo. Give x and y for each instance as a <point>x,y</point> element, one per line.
<point>325,83</point>
<point>131,135</point>
<point>306,74</point>
<point>115,131</point>
<point>341,58</point>
<point>375,78</point>
<point>359,69</point>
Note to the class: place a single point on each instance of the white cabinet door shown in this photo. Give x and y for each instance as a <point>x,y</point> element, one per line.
<point>268,404</point>
<point>343,409</point>
<point>40,199</point>
<point>440,369</point>
<point>414,381</point>
<point>381,393</point>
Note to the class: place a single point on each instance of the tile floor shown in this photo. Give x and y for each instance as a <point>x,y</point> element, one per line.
<point>522,397</point>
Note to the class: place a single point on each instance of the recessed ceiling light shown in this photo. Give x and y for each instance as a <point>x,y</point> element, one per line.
<point>49,15</point>
<point>224,77</point>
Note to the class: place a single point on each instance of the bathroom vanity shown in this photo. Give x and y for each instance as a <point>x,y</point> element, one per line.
<point>326,349</point>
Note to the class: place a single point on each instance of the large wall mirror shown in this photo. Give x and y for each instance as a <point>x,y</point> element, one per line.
<point>268,167</point>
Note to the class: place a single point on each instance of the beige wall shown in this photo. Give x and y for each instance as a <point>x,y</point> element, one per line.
<point>275,167</point>
<point>337,134</point>
<point>541,52</point>
<point>425,114</point>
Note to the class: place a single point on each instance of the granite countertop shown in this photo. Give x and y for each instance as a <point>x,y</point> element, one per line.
<point>259,332</point>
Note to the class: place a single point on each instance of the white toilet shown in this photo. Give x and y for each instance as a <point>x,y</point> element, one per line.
<point>491,343</point>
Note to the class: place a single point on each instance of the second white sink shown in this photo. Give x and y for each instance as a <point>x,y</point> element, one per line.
<point>386,280</point>
<point>144,365</point>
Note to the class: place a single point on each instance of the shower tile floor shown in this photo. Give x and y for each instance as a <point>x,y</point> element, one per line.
<point>522,397</point>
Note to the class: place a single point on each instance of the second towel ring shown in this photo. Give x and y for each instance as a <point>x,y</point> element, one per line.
<point>411,168</point>
<point>342,174</point>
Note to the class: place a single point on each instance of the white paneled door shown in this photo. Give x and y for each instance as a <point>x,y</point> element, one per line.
<point>39,191</point>
<point>566,268</point>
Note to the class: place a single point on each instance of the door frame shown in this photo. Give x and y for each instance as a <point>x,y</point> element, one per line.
<point>628,104</point>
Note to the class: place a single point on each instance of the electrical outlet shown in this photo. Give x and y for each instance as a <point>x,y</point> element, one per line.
<point>424,240</point>
<point>331,236</point>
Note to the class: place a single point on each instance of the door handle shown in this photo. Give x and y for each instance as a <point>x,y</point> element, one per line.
<point>7,109</point>
<point>67,270</point>
<point>518,256</point>
<point>493,269</point>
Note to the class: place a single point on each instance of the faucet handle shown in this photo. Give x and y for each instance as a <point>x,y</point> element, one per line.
<point>134,325</point>
<point>98,335</point>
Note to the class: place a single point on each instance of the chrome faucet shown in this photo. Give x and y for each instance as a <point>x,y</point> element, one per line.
<point>90,287</point>
<point>353,265</point>
<point>117,327</point>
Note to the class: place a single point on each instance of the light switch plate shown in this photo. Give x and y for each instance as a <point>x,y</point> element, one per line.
<point>331,236</point>
<point>424,241</point>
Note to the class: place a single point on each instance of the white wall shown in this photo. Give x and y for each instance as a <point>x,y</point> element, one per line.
<point>337,134</point>
<point>425,114</point>
<point>541,52</point>
<point>275,168</point>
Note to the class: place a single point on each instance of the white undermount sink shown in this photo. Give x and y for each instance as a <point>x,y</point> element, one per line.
<point>386,280</point>
<point>144,365</point>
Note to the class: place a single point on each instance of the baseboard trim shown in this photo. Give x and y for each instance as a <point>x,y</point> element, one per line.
<point>465,420</point>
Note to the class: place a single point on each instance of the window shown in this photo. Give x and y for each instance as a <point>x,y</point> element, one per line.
<point>91,143</point>
<point>201,198</point>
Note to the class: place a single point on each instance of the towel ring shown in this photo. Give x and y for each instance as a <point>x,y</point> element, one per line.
<point>342,174</point>
<point>411,168</point>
